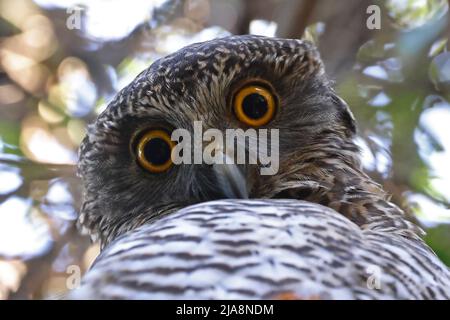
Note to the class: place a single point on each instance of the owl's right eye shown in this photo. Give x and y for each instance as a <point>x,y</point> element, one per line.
<point>254,105</point>
<point>154,150</point>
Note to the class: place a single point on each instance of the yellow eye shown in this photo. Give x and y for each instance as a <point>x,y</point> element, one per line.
<point>154,150</point>
<point>254,105</point>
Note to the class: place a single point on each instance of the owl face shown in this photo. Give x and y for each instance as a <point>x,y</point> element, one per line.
<point>238,82</point>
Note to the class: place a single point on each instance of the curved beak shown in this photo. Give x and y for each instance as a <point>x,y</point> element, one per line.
<point>231,180</point>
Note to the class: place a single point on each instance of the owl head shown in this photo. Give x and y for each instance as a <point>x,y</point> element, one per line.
<point>238,82</point>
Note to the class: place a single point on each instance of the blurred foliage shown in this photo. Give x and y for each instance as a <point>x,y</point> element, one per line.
<point>55,80</point>
<point>439,239</point>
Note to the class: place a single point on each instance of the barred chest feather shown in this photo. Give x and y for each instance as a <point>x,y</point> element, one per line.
<point>253,249</point>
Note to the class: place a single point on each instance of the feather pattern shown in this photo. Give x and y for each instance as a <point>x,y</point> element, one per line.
<point>259,249</point>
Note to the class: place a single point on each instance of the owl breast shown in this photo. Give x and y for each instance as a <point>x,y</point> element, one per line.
<point>263,249</point>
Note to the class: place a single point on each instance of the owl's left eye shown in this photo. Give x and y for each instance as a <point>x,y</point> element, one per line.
<point>154,151</point>
<point>254,105</point>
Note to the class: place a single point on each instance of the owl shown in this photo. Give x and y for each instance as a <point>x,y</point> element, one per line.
<point>315,227</point>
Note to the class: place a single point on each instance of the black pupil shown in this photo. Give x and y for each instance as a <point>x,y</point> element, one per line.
<point>157,151</point>
<point>254,106</point>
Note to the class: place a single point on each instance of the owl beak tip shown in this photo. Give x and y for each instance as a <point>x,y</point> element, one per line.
<point>231,181</point>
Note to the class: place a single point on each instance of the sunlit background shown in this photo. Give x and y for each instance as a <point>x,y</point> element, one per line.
<point>54,80</point>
